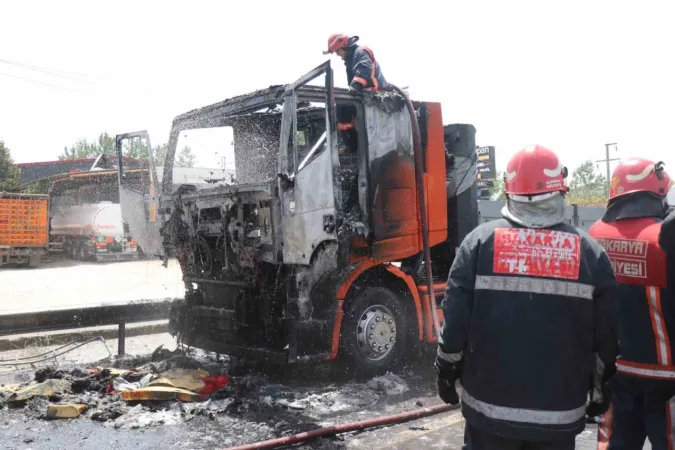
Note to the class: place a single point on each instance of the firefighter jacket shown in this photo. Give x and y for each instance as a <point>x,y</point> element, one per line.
<point>667,234</point>
<point>530,314</point>
<point>629,232</point>
<point>363,71</point>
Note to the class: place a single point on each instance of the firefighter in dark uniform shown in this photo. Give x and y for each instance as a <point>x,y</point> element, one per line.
<point>529,318</point>
<point>642,391</point>
<point>363,72</point>
<point>667,234</point>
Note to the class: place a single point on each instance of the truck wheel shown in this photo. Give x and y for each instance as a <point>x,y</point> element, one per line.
<point>373,335</point>
<point>82,253</point>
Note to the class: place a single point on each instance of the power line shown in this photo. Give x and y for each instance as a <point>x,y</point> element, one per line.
<point>55,72</point>
<point>39,82</point>
<point>607,160</point>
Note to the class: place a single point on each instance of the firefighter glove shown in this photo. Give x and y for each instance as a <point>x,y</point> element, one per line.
<point>599,402</point>
<point>600,388</point>
<point>355,86</point>
<point>448,372</point>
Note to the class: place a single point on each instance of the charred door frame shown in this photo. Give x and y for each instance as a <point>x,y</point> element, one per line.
<point>314,93</point>
<point>145,231</point>
<point>300,90</point>
<point>143,134</point>
<point>152,173</point>
<point>313,215</point>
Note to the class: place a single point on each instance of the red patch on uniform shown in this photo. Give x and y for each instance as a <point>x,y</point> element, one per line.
<point>537,253</point>
<point>628,256</point>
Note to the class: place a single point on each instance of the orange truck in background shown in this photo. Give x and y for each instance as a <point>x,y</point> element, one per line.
<point>24,228</point>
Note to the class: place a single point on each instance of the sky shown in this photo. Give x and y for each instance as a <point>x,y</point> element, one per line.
<point>570,75</point>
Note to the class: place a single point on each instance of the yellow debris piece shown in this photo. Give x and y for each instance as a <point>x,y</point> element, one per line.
<point>11,388</point>
<point>160,393</point>
<point>64,411</point>
<point>189,379</point>
<point>46,389</point>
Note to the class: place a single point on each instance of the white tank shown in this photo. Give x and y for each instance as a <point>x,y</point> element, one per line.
<point>100,219</point>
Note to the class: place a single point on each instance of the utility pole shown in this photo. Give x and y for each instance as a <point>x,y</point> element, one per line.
<point>607,160</point>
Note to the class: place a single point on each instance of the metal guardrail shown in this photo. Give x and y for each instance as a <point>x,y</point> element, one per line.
<point>90,316</point>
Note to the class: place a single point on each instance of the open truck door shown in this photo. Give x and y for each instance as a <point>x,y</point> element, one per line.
<point>307,163</point>
<point>139,195</point>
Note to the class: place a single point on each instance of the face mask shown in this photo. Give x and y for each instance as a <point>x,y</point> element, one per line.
<point>538,213</point>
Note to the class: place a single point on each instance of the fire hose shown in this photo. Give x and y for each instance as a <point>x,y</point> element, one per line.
<point>346,428</point>
<point>419,179</point>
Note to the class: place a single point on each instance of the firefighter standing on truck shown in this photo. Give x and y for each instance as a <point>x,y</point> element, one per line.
<point>529,318</point>
<point>363,72</point>
<point>642,391</point>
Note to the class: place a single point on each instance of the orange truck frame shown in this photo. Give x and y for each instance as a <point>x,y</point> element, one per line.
<point>24,228</point>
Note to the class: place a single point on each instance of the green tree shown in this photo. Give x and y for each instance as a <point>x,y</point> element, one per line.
<point>159,154</point>
<point>106,144</point>
<point>587,185</point>
<point>9,173</point>
<point>135,148</point>
<point>84,149</point>
<point>185,158</point>
<point>39,187</point>
<point>81,149</point>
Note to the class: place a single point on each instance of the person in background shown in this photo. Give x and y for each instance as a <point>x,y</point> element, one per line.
<point>637,240</point>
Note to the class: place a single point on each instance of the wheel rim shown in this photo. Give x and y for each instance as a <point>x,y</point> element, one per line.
<point>376,332</point>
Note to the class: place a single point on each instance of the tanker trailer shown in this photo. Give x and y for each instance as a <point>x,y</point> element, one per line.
<point>94,232</point>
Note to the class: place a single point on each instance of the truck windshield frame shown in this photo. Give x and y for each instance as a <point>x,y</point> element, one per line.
<point>227,112</point>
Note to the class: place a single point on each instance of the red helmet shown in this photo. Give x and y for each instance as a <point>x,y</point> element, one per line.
<point>534,170</point>
<point>639,175</point>
<point>337,41</point>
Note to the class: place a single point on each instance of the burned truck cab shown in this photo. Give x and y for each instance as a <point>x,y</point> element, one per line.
<point>271,256</point>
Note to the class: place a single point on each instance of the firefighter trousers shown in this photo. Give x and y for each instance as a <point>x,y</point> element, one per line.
<point>638,411</point>
<point>475,439</point>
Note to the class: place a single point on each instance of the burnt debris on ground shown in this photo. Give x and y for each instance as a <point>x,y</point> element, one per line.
<point>170,388</point>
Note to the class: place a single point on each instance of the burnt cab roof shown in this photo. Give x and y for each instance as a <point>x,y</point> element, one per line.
<point>213,115</point>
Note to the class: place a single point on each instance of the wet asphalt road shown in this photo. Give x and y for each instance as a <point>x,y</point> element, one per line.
<point>68,284</point>
<point>443,431</point>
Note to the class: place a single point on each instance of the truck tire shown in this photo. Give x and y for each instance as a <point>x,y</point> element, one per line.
<point>68,250</point>
<point>373,334</point>
<point>83,253</point>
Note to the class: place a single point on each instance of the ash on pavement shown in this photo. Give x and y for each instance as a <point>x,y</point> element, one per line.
<point>250,408</point>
